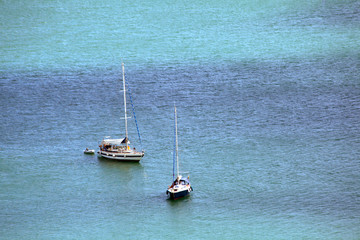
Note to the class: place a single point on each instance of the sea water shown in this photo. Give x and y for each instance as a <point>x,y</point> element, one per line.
<point>268,99</point>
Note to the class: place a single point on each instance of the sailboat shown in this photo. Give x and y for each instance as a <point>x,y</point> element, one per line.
<point>119,149</point>
<point>180,186</point>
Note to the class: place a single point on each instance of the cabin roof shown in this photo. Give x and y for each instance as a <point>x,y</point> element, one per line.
<point>119,141</point>
<point>184,179</point>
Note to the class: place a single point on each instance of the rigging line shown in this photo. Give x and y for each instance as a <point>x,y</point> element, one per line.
<point>133,108</point>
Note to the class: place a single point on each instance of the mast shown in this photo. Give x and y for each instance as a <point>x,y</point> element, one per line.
<point>176,142</point>
<point>126,130</point>
<point>174,151</point>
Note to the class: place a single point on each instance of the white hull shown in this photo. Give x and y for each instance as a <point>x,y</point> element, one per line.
<point>90,151</point>
<point>130,156</point>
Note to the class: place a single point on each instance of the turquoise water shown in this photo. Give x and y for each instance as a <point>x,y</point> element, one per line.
<point>268,98</point>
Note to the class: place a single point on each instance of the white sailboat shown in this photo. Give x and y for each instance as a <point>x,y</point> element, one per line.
<point>181,186</point>
<point>119,149</point>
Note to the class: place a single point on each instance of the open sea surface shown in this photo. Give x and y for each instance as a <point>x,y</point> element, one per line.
<point>268,98</point>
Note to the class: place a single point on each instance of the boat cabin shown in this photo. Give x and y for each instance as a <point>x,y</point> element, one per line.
<point>181,181</point>
<point>116,145</point>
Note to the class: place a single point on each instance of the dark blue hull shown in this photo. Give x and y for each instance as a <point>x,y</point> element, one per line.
<point>177,195</point>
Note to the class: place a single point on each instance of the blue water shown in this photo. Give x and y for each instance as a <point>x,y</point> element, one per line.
<point>268,98</point>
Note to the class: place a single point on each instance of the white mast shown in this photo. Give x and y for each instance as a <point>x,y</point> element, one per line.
<point>176,140</point>
<point>126,131</point>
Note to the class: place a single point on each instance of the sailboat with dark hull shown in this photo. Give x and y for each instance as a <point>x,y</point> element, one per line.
<point>119,149</point>
<point>180,186</point>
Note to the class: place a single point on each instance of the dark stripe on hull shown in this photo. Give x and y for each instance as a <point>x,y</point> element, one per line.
<point>120,157</point>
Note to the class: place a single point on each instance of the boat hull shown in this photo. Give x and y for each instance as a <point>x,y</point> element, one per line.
<point>127,157</point>
<point>178,194</point>
<point>89,152</point>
